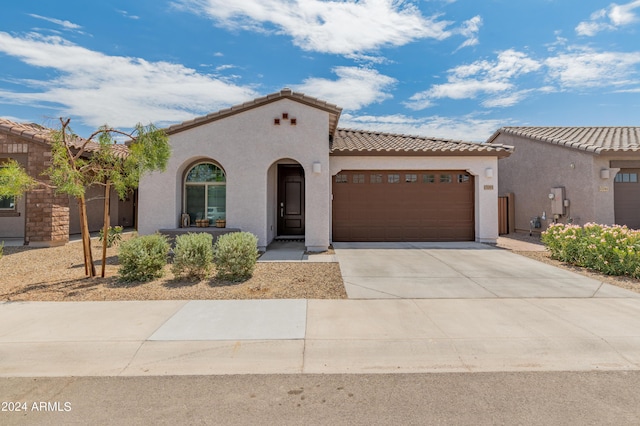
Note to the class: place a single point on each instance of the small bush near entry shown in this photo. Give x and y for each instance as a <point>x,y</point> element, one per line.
<point>143,258</point>
<point>612,250</point>
<point>114,235</point>
<point>193,255</point>
<point>235,255</point>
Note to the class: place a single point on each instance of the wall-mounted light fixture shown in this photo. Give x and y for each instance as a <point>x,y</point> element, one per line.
<point>488,172</point>
<point>317,167</point>
<point>605,174</point>
<point>551,196</point>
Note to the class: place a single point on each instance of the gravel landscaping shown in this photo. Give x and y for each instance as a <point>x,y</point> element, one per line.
<point>544,256</point>
<point>57,274</point>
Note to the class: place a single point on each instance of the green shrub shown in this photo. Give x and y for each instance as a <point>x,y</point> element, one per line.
<point>193,255</point>
<point>143,258</point>
<point>235,255</point>
<point>114,235</point>
<point>612,250</point>
<point>562,241</point>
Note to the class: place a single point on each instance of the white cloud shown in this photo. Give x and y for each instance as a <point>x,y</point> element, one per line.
<point>342,27</point>
<point>470,30</point>
<point>623,14</point>
<point>584,67</point>
<point>609,19</point>
<point>635,90</point>
<point>506,100</point>
<point>225,67</point>
<point>468,128</point>
<point>355,87</point>
<point>117,90</point>
<point>63,23</point>
<point>492,78</point>
<point>503,82</point>
<point>127,15</point>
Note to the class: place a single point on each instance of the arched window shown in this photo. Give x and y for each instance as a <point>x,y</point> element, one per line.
<point>205,189</point>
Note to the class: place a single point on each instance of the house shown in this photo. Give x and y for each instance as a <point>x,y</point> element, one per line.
<point>279,167</point>
<point>571,175</point>
<point>41,217</point>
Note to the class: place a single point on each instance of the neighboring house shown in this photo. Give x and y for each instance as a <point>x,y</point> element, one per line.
<point>572,174</point>
<point>279,167</point>
<point>41,217</point>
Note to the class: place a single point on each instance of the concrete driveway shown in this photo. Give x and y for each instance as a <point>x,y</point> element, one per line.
<point>457,271</point>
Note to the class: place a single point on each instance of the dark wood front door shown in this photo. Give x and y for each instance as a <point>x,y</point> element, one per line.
<point>290,200</point>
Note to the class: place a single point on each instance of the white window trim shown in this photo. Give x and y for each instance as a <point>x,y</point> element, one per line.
<point>204,184</point>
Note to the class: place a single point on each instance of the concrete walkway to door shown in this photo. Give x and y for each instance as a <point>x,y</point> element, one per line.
<point>464,270</point>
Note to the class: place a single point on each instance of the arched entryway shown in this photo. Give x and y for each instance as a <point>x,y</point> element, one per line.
<point>291,200</point>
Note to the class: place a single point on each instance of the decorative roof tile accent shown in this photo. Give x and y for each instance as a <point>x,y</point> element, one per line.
<point>590,139</point>
<point>360,142</point>
<point>41,134</point>
<point>286,93</point>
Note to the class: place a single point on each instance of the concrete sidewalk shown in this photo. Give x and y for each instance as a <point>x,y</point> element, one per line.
<point>318,336</point>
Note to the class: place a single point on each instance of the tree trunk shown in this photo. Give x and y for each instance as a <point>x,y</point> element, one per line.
<point>105,229</point>
<point>90,268</point>
<point>84,246</point>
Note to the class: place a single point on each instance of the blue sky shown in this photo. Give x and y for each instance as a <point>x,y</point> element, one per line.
<point>457,69</point>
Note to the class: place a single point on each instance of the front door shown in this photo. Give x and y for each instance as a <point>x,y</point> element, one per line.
<point>290,200</point>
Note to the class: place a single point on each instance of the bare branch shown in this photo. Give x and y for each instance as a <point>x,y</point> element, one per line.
<point>97,197</point>
<point>64,140</point>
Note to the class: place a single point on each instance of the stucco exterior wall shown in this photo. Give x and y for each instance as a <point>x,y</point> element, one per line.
<point>95,210</point>
<point>486,200</point>
<point>535,167</point>
<point>246,146</point>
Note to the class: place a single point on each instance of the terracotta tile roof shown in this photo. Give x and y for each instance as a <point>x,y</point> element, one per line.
<point>591,139</point>
<point>43,134</point>
<point>333,110</point>
<point>26,130</point>
<point>360,142</point>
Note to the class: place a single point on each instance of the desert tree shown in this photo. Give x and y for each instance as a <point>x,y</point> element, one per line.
<point>14,180</point>
<point>78,164</point>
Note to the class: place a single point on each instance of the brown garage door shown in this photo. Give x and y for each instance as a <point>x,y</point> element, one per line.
<point>627,198</point>
<point>390,205</point>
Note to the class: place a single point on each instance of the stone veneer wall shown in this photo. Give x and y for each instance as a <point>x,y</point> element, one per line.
<point>47,214</point>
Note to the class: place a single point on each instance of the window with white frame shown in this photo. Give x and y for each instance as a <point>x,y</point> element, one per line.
<point>205,192</point>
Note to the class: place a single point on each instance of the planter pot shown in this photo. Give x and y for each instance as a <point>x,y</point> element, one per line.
<point>221,223</point>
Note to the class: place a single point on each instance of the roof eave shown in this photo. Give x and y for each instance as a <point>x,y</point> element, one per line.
<point>333,110</point>
<point>403,153</point>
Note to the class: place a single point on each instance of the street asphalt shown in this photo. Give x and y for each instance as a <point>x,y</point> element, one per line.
<point>523,398</point>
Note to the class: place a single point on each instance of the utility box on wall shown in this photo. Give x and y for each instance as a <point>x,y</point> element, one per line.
<point>557,201</point>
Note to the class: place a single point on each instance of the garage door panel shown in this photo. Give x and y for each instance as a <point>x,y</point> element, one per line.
<point>419,207</point>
